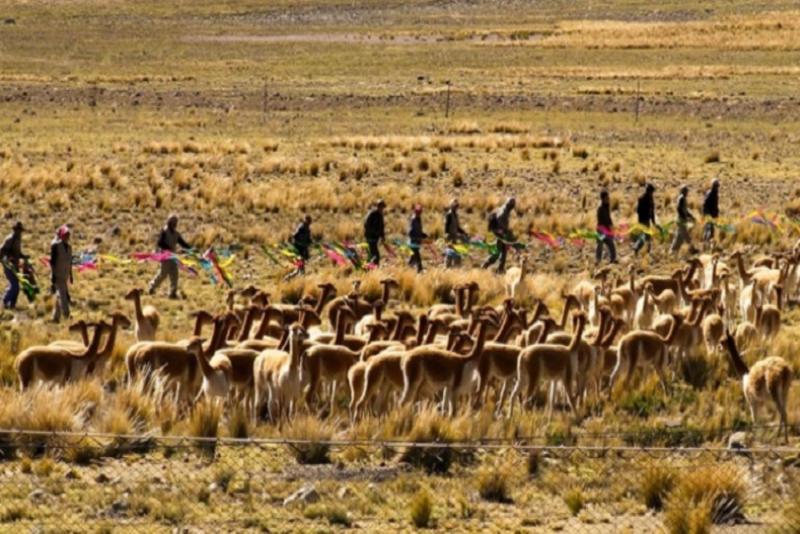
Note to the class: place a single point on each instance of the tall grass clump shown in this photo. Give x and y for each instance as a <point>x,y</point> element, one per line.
<point>204,424</point>
<point>494,484</point>
<point>657,483</point>
<point>705,496</point>
<point>421,509</point>
<point>430,427</point>
<point>312,435</point>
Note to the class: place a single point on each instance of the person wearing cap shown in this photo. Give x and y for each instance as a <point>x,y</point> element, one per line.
<point>646,213</point>
<point>301,241</point>
<point>453,233</point>
<point>415,237</point>
<point>61,272</point>
<point>605,227</point>
<point>500,226</point>
<point>11,255</point>
<point>710,211</point>
<point>168,241</point>
<point>685,217</point>
<point>374,231</point>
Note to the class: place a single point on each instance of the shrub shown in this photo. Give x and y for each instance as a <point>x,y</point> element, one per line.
<point>493,485</point>
<point>662,436</point>
<point>532,463</point>
<point>687,517</point>
<point>580,152</point>
<point>713,157</point>
<point>204,423</point>
<point>333,514</point>
<point>223,478</point>
<point>705,495</point>
<point>11,513</point>
<point>574,499</point>
<point>696,370</point>
<point>315,432</point>
<point>657,482</point>
<point>430,427</point>
<point>421,509</point>
<point>238,423</point>
<point>642,402</point>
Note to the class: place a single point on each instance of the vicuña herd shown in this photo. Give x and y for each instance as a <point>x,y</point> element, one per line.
<point>276,358</point>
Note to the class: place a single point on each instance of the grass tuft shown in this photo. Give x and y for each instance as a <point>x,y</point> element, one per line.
<point>494,485</point>
<point>421,509</point>
<point>314,432</point>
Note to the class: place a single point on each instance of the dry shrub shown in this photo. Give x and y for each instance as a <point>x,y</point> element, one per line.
<point>575,500</point>
<point>657,482</point>
<point>713,157</point>
<point>494,484</point>
<point>314,435</point>
<point>238,423</point>
<point>430,427</point>
<point>713,494</point>
<point>580,152</point>
<point>421,509</point>
<point>334,514</point>
<point>204,424</point>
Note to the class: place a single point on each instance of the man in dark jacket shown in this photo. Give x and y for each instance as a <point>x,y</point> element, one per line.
<point>710,211</point>
<point>301,241</point>
<point>453,233</point>
<point>415,237</point>
<point>168,241</point>
<point>646,213</point>
<point>685,218</point>
<point>605,227</point>
<point>374,232</point>
<point>11,256</point>
<point>61,272</point>
<point>500,226</point>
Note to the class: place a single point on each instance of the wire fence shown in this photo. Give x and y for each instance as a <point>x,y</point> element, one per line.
<point>63,482</point>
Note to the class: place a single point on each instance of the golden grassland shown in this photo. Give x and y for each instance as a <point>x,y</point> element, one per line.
<point>240,117</point>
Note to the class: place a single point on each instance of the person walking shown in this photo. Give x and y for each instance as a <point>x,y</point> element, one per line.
<point>415,237</point>
<point>61,272</point>
<point>301,241</point>
<point>500,226</point>
<point>685,217</point>
<point>374,231</point>
<point>11,255</point>
<point>168,241</point>
<point>453,234</point>
<point>710,212</point>
<point>605,229</point>
<point>646,213</point>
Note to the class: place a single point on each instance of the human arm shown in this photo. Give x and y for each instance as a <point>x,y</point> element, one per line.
<point>182,242</point>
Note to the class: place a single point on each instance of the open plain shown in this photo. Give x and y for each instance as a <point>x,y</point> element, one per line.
<point>242,116</point>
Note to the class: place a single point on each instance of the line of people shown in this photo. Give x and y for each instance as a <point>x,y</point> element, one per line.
<point>16,263</point>
<point>18,269</point>
<point>646,215</point>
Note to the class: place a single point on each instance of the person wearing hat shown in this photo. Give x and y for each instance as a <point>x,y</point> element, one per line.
<point>685,217</point>
<point>168,241</point>
<point>301,241</point>
<point>453,233</point>
<point>605,227</point>
<point>61,272</point>
<point>500,226</point>
<point>646,213</point>
<point>11,255</point>
<point>374,231</point>
<point>710,211</point>
<point>415,237</point>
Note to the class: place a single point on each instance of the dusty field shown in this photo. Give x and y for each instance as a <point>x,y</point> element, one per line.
<point>241,117</point>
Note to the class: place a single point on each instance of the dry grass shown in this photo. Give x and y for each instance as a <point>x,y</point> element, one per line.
<point>148,123</point>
